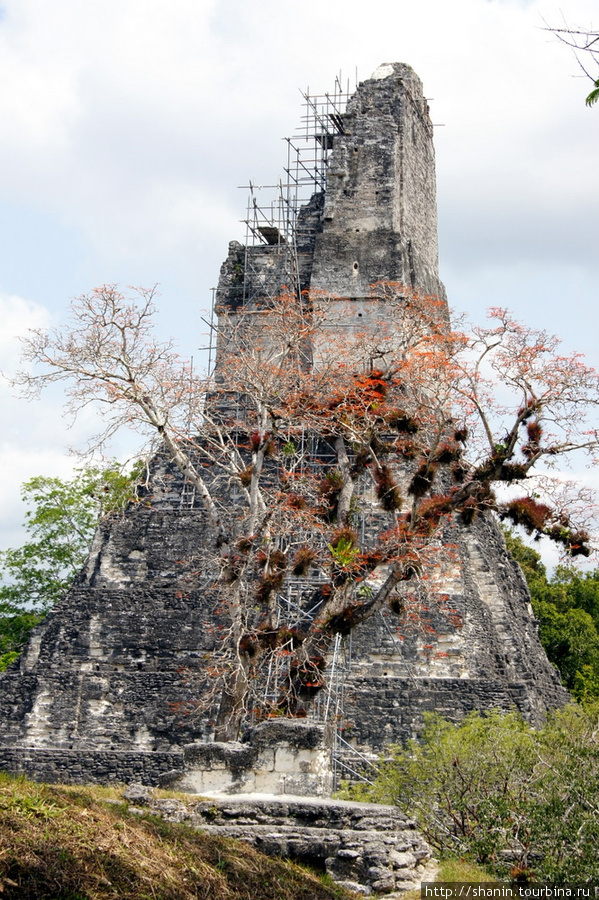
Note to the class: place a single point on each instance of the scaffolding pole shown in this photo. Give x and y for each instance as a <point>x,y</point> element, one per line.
<point>273,211</point>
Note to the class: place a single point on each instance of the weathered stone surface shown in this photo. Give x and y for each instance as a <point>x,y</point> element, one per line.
<point>380,210</point>
<point>138,793</point>
<point>354,842</point>
<point>277,757</point>
<point>85,766</point>
<point>114,685</point>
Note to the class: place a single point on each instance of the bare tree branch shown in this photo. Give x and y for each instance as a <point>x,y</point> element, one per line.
<point>312,424</point>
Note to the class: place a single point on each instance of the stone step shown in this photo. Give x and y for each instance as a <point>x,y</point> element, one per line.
<point>365,847</point>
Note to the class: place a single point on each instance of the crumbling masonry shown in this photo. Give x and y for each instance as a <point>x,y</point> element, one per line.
<point>100,692</point>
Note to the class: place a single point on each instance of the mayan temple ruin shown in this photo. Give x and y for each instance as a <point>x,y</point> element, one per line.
<point>108,686</point>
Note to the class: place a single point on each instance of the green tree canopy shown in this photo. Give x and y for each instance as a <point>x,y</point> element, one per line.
<point>60,522</point>
<point>520,800</point>
<point>567,607</point>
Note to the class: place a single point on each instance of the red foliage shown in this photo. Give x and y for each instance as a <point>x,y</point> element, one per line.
<point>278,560</point>
<point>248,644</point>
<point>448,452</point>
<point>402,422</point>
<point>245,476</point>
<point>433,508</point>
<point>575,542</point>
<point>534,431</point>
<point>325,592</point>
<point>295,501</point>
<point>347,535</point>
<point>529,513</point>
<point>304,558</point>
<point>386,489</point>
<point>371,388</point>
<point>459,470</point>
<point>258,440</point>
<point>269,584</point>
<point>423,479</point>
<point>525,412</point>
<point>362,459</point>
<point>310,678</point>
<point>331,484</point>
<point>370,559</point>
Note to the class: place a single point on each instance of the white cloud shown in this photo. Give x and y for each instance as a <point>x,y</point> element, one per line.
<point>17,316</point>
<point>119,112</point>
<point>30,443</point>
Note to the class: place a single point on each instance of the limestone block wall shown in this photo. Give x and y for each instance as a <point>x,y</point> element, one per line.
<point>90,766</point>
<point>380,214</point>
<point>472,644</point>
<point>281,756</point>
<point>117,678</point>
<point>115,670</point>
<point>377,219</point>
<point>120,663</point>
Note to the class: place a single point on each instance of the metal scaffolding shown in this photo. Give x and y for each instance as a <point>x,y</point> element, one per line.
<point>279,223</point>
<point>273,227</point>
<point>273,222</point>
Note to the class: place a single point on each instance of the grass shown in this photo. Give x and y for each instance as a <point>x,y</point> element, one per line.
<point>462,870</point>
<point>455,870</point>
<point>62,843</point>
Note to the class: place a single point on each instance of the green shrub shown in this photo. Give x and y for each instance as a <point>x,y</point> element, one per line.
<point>497,791</point>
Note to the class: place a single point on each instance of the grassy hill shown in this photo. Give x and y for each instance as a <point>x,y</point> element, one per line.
<point>83,844</point>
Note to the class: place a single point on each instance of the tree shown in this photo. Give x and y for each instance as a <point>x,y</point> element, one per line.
<point>60,525</point>
<point>585,45</point>
<point>524,802</point>
<point>312,426</point>
<point>567,607</point>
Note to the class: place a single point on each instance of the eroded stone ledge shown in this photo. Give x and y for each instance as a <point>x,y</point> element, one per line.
<point>365,847</point>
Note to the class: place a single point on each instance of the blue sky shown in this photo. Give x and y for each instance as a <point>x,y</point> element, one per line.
<point>128,125</point>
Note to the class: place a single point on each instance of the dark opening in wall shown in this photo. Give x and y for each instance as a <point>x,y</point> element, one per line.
<point>315,863</point>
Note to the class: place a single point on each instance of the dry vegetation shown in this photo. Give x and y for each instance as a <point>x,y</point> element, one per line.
<point>79,844</point>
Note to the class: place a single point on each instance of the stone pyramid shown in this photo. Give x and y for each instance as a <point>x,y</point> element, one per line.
<point>107,687</point>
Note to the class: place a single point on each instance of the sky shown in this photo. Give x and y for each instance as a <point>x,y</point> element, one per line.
<point>129,125</point>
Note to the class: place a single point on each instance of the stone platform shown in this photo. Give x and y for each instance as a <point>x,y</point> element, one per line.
<point>365,847</point>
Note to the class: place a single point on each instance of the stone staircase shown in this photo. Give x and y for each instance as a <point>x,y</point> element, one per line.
<point>364,847</point>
